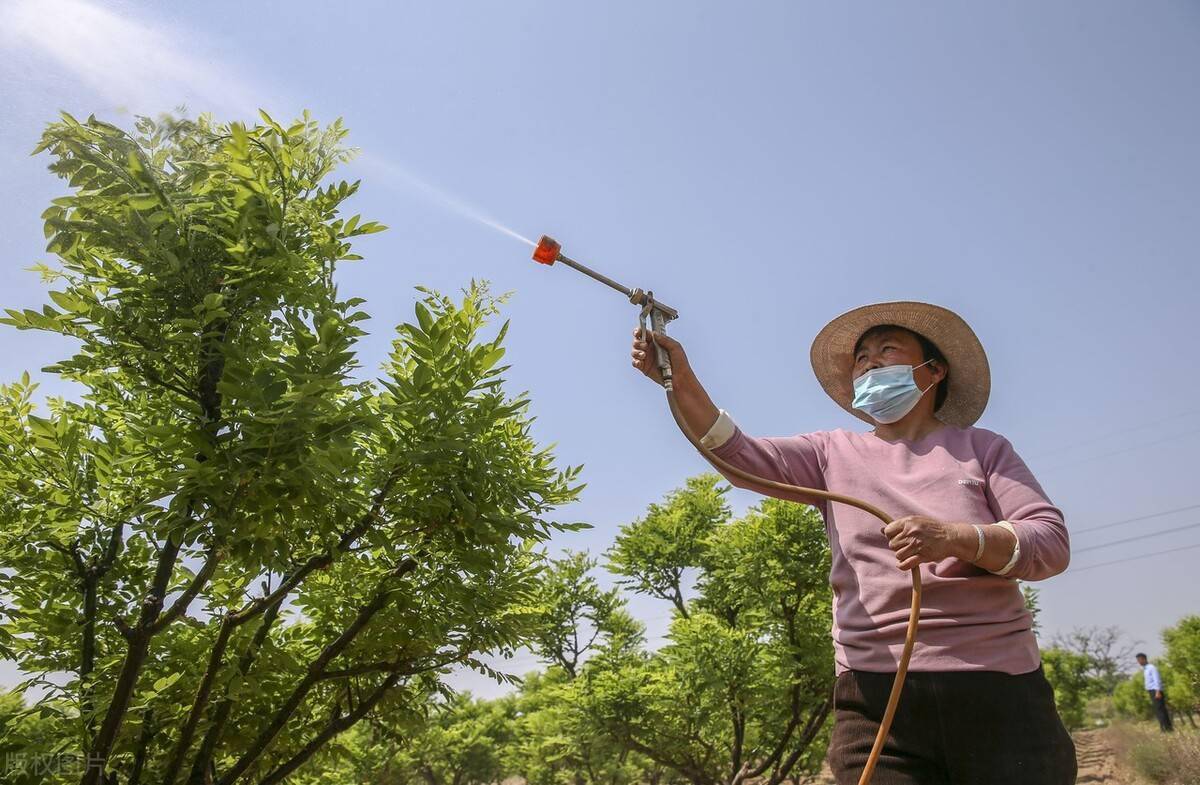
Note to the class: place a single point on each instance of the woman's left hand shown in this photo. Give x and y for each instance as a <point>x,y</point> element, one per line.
<point>917,539</point>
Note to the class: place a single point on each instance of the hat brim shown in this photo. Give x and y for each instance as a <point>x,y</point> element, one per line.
<point>832,356</point>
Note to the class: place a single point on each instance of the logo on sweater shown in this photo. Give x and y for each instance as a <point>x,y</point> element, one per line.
<point>972,482</point>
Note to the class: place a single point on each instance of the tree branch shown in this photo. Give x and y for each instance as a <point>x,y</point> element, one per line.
<point>810,731</point>
<point>783,740</point>
<point>333,728</point>
<point>271,604</point>
<point>204,756</point>
<point>139,645</point>
<point>336,647</point>
<point>316,561</point>
<point>146,737</point>
<point>198,703</point>
<point>198,581</point>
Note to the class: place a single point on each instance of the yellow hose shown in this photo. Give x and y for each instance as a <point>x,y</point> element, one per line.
<point>910,636</point>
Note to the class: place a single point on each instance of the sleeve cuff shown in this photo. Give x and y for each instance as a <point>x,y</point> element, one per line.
<point>720,432</point>
<point>1016,554</point>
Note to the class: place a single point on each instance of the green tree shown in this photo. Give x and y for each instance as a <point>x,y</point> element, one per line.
<point>460,744</point>
<point>1130,701</point>
<point>654,552</point>
<point>559,742</point>
<point>742,689</point>
<point>1183,659</point>
<point>27,740</point>
<point>1069,674</point>
<point>233,548</point>
<point>1107,651</point>
<point>573,612</point>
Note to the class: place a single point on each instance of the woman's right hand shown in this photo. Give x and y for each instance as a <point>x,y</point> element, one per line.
<point>645,356</point>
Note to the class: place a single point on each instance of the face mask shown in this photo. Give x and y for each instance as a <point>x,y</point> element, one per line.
<point>887,394</point>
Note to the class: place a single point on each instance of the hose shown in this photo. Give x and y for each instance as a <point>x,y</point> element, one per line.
<point>910,635</point>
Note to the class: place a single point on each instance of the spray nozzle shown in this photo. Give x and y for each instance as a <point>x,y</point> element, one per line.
<point>547,250</point>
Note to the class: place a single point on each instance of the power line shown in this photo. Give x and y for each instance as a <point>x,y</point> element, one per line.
<point>1132,520</point>
<point>1130,558</point>
<point>1139,537</point>
<point>1105,437</point>
<point>1087,458</point>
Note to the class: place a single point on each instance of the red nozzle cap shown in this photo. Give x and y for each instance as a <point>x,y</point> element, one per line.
<point>547,250</point>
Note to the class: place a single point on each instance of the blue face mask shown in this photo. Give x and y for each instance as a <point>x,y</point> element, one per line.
<point>887,394</point>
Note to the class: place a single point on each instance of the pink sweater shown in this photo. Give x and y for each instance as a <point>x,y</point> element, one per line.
<point>971,619</point>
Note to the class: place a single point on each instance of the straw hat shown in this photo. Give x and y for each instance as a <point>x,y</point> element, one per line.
<point>832,356</point>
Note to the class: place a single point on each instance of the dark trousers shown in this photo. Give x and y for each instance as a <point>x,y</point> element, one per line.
<point>952,728</point>
<point>1160,710</point>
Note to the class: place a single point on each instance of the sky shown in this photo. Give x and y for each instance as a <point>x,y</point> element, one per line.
<point>762,167</point>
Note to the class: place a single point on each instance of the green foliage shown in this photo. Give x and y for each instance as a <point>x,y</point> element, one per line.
<point>1107,651</point>
<point>556,737</point>
<point>27,740</point>
<point>1033,605</point>
<point>557,741</point>
<point>739,693</point>
<point>1130,701</point>
<point>1067,672</point>
<point>574,612</point>
<point>741,690</point>
<point>233,548</point>
<point>1183,659</point>
<point>460,744</point>
<point>653,552</point>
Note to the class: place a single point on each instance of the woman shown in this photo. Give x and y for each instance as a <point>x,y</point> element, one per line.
<point>976,707</point>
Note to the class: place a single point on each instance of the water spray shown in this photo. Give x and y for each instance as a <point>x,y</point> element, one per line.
<point>547,252</point>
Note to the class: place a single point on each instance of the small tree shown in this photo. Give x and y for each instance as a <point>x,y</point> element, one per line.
<point>743,687</point>
<point>1183,658</point>
<point>653,553</point>
<point>460,744</point>
<point>558,742</point>
<point>573,612</point>
<point>1129,699</point>
<point>234,549</point>
<point>1068,673</point>
<point>1107,651</point>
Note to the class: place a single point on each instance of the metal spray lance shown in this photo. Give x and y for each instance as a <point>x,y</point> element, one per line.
<point>548,252</point>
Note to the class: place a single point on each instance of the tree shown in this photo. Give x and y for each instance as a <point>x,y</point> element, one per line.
<point>1068,673</point>
<point>742,689</point>
<point>653,553</point>
<point>558,740</point>
<point>573,612</point>
<point>1129,699</point>
<point>1183,658</point>
<point>460,744</point>
<point>1107,651</point>
<point>28,747</point>
<point>233,548</point>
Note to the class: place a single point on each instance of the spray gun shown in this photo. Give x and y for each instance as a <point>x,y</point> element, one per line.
<point>548,252</point>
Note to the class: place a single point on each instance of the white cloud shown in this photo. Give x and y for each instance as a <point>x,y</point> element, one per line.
<point>131,63</point>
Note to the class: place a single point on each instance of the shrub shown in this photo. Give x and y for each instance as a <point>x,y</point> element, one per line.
<point>1156,757</point>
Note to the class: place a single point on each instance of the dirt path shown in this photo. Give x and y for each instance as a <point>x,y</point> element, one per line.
<point>1097,765</point>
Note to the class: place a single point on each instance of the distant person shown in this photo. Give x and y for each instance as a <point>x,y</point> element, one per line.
<point>1158,698</point>
<point>976,706</point>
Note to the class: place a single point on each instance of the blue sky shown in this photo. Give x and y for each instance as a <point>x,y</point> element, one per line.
<point>762,167</point>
